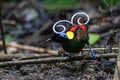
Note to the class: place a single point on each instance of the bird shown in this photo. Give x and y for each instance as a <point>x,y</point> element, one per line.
<point>74,39</point>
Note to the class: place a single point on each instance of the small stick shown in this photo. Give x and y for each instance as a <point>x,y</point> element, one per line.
<point>43,50</point>
<point>21,56</point>
<point>32,48</point>
<point>55,60</point>
<point>1,28</point>
<point>117,67</point>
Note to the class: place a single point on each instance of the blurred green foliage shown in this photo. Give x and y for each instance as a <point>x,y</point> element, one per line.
<point>9,38</point>
<point>52,5</point>
<point>110,3</point>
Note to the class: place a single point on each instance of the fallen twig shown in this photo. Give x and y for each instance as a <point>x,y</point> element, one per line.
<point>55,59</point>
<point>21,56</point>
<point>43,50</point>
<point>117,67</point>
<point>26,47</point>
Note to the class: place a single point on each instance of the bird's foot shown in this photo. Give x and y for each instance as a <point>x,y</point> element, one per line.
<point>70,58</point>
<point>63,53</point>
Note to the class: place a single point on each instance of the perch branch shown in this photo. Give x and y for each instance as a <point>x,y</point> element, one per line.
<point>43,50</point>
<point>21,56</point>
<point>55,59</point>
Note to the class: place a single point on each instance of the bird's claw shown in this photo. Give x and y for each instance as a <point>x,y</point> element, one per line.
<point>63,53</point>
<point>70,58</point>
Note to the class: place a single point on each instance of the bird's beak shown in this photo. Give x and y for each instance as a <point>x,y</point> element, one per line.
<point>49,39</point>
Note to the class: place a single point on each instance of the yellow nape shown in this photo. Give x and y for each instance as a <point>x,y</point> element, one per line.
<point>70,35</point>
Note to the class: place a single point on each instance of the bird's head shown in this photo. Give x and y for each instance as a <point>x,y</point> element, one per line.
<point>69,33</point>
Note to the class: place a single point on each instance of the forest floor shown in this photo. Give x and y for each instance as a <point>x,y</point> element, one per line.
<point>27,23</point>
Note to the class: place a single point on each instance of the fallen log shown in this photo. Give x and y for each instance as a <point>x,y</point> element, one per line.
<point>55,60</point>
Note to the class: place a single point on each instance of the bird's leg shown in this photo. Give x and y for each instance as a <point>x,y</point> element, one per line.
<point>91,51</point>
<point>63,53</point>
<point>70,58</point>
